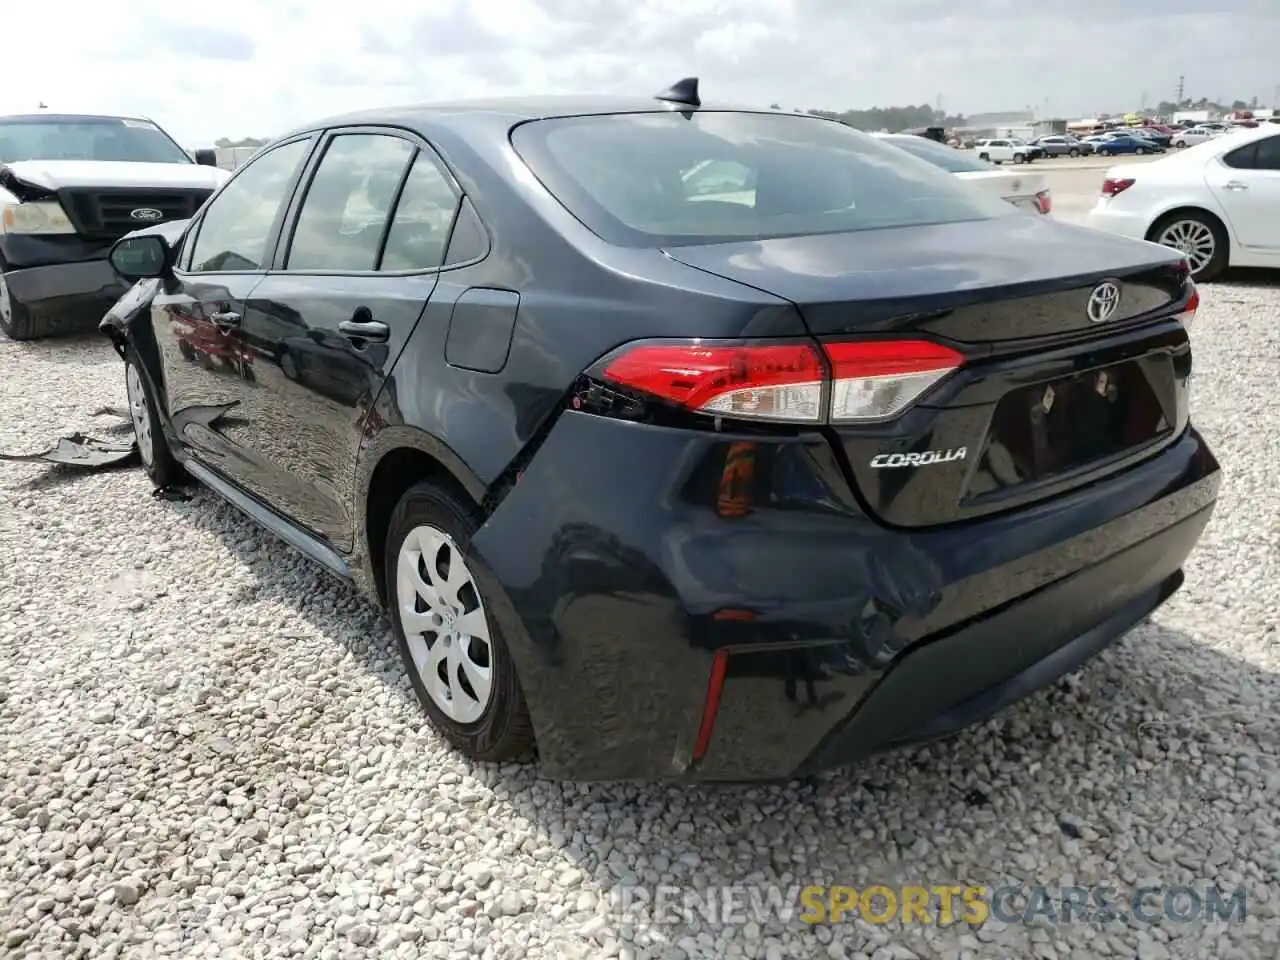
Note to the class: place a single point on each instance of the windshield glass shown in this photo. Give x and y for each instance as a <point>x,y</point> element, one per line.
<point>86,138</point>
<point>948,158</point>
<point>704,177</point>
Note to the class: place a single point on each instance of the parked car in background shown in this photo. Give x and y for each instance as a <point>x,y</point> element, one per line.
<point>1026,191</point>
<point>1150,134</point>
<point>70,186</point>
<point>1218,204</point>
<point>1005,149</point>
<point>669,483</point>
<point>1195,136</point>
<point>1115,144</point>
<point>1061,145</point>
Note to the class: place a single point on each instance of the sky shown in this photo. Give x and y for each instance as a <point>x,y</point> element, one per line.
<point>238,68</point>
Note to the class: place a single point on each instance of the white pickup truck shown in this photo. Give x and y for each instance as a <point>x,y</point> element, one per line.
<point>1000,150</point>
<point>70,186</point>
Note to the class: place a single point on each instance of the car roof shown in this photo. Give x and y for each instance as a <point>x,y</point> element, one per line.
<point>509,111</point>
<point>47,117</point>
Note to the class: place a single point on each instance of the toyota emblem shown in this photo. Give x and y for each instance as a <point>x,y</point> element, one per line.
<point>1103,302</point>
<point>146,214</point>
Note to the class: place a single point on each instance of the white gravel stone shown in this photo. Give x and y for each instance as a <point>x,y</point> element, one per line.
<point>208,748</point>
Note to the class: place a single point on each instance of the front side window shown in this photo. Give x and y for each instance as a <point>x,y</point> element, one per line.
<point>344,214</point>
<point>87,138</point>
<point>647,178</point>
<point>236,228</point>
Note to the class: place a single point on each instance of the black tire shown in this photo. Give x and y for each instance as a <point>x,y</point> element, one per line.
<point>16,322</point>
<point>1073,153</point>
<point>1218,263</point>
<point>161,465</point>
<point>288,364</point>
<point>1181,144</point>
<point>1140,151</point>
<point>503,730</point>
<point>984,156</point>
<point>1019,158</point>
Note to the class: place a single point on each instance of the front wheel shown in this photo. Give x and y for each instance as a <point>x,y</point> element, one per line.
<point>1180,144</point>
<point>1140,151</point>
<point>456,657</point>
<point>1073,153</point>
<point>153,448</point>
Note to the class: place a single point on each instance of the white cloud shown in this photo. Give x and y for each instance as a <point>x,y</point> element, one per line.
<point>257,67</point>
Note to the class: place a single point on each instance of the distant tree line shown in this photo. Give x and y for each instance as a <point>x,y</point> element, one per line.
<point>227,143</point>
<point>1167,107</point>
<point>893,119</point>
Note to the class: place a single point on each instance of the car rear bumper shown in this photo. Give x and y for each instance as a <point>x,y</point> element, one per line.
<point>619,566</point>
<point>1104,216</point>
<point>65,281</point>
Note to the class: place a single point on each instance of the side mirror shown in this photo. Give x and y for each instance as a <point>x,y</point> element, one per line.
<point>206,157</point>
<point>136,258</point>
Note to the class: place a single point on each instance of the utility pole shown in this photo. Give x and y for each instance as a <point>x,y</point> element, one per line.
<point>1182,89</point>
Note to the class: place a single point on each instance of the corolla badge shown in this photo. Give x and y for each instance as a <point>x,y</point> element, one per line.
<point>1103,302</point>
<point>146,214</point>
<point>918,459</point>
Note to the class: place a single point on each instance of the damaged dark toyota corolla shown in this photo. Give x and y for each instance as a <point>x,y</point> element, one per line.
<point>678,440</point>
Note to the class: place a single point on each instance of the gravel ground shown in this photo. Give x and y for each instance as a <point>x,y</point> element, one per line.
<point>207,747</point>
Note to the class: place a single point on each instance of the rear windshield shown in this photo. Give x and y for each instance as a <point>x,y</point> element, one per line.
<point>671,178</point>
<point>86,138</point>
<point>947,158</point>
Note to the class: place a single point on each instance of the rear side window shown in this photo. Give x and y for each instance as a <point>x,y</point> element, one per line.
<point>424,214</point>
<point>344,215</point>
<point>667,178</point>
<point>946,158</point>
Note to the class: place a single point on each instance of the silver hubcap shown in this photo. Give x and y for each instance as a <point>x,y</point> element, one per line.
<point>1193,240</point>
<point>140,414</point>
<point>445,625</point>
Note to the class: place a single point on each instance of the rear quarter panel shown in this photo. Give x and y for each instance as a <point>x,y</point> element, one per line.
<point>579,299</point>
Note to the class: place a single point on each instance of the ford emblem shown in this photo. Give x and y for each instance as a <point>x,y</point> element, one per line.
<point>146,214</point>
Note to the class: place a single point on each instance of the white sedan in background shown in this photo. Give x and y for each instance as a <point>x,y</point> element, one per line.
<point>1025,190</point>
<point>1194,136</point>
<point>1218,203</point>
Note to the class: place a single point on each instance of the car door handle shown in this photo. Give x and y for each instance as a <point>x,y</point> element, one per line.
<point>225,319</point>
<point>371,331</point>
<point>1235,185</point>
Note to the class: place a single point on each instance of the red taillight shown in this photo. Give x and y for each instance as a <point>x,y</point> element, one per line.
<point>1193,304</point>
<point>1044,201</point>
<point>711,703</point>
<point>761,382</point>
<point>1114,186</point>
<point>869,380</point>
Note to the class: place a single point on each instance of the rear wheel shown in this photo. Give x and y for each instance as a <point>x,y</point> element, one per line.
<point>456,657</point>
<point>984,156</point>
<point>1198,237</point>
<point>1073,153</point>
<point>153,449</point>
<point>1140,151</point>
<point>1019,158</point>
<point>1180,143</point>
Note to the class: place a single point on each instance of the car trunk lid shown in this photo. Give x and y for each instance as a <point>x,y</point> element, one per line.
<point>1051,394</point>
